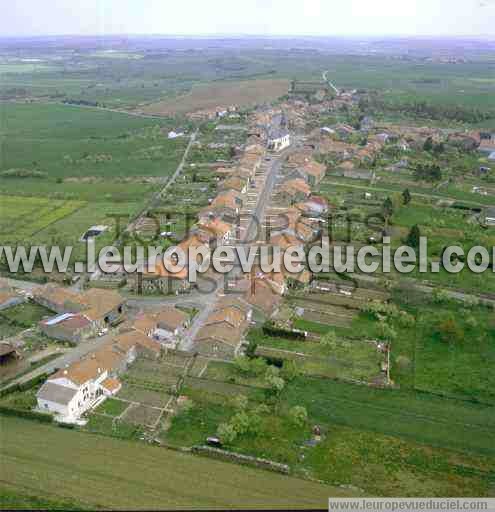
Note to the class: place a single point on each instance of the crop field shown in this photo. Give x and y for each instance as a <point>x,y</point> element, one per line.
<point>245,93</point>
<point>22,217</point>
<point>49,462</point>
<point>58,141</point>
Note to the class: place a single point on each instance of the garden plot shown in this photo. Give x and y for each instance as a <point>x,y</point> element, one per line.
<point>142,415</point>
<point>323,313</point>
<point>217,387</point>
<point>198,367</point>
<point>348,360</point>
<point>153,375</point>
<point>144,396</point>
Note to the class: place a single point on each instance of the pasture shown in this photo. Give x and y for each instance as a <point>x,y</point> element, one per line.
<point>62,465</point>
<point>419,417</point>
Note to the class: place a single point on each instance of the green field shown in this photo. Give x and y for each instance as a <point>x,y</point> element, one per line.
<point>65,140</point>
<point>21,218</point>
<point>417,417</point>
<point>49,463</point>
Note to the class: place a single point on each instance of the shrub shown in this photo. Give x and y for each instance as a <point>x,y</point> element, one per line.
<point>290,370</point>
<point>298,415</point>
<point>329,340</point>
<point>240,422</point>
<point>240,402</point>
<point>226,433</point>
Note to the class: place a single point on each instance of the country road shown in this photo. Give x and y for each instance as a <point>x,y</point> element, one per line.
<point>65,359</point>
<point>155,200</point>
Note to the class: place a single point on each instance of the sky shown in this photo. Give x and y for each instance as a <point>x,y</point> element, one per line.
<point>257,17</point>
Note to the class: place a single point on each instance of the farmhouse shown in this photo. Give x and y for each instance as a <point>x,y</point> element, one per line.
<point>228,316</point>
<point>219,340</point>
<point>72,327</point>
<point>231,302</point>
<point>162,280</point>
<point>163,326</point>
<point>262,297</point>
<point>73,390</point>
<point>171,321</point>
<point>55,298</point>
<point>215,232</point>
<point>315,172</point>
<point>100,307</point>
<point>294,191</point>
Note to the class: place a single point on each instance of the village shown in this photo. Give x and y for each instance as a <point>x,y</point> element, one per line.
<point>132,355</point>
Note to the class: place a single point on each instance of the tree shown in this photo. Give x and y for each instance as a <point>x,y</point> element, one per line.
<point>449,331</point>
<point>289,370</point>
<point>427,172</point>
<point>298,415</point>
<point>329,340</point>
<point>387,332</point>
<point>226,433</point>
<point>243,364</point>
<point>388,208</point>
<point>240,423</point>
<point>413,237</point>
<point>271,371</point>
<point>240,402</point>
<point>255,422</point>
<point>261,409</point>
<point>406,196</point>
<point>276,383</point>
<point>428,145</point>
<point>439,148</point>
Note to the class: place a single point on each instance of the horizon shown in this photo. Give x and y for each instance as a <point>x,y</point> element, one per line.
<point>270,18</point>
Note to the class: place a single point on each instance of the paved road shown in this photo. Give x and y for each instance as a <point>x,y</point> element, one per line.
<point>265,189</point>
<point>67,358</point>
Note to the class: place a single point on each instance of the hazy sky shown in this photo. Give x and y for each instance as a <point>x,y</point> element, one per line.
<point>270,17</point>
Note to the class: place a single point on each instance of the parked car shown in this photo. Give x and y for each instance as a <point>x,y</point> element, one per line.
<point>214,441</point>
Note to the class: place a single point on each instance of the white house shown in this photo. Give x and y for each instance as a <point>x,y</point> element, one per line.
<point>73,390</point>
<point>278,140</point>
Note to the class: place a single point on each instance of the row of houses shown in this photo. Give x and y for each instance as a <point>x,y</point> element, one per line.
<point>218,223</point>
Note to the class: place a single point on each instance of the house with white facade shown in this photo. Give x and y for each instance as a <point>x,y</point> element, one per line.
<point>79,387</point>
<point>278,134</point>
